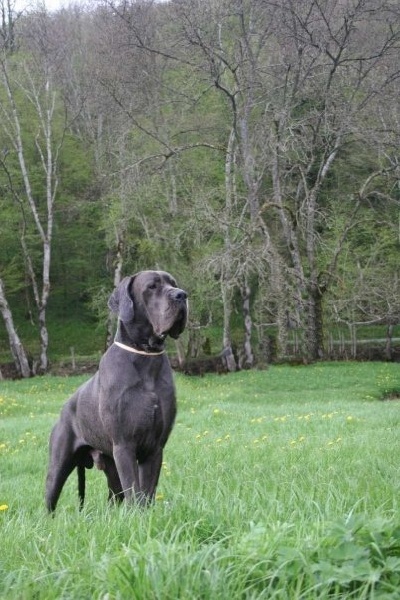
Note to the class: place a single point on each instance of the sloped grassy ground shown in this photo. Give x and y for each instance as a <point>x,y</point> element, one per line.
<point>281,484</point>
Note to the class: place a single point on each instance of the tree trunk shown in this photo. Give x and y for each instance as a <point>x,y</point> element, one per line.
<point>314,347</point>
<point>227,351</point>
<point>17,349</point>
<point>226,285</point>
<point>44,341</point>
<point>43,332</point>
<point>388,345</point>
<point>117,280</point>
<point>279,290</point>
<point>248,360</point>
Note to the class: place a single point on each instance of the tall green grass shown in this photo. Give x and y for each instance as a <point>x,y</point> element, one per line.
<point>275,484</point>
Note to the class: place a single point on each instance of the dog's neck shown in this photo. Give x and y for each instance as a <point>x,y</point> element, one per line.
<point>139,341</point>
<point>136,351</point>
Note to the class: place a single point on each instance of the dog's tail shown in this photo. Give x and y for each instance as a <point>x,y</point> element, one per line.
<point>81,485</point>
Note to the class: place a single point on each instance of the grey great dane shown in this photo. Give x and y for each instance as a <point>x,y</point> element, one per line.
<point>121,418</point>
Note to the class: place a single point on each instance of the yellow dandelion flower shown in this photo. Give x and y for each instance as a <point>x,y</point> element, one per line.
<point>216,411</point>
<point>3,506</point>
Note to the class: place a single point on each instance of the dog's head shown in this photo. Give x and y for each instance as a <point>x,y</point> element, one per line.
<point>151,297</point>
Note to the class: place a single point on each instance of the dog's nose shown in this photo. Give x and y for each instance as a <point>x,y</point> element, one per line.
<point>179,295</point>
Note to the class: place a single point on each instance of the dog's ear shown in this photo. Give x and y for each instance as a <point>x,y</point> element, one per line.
<point>121,301</point>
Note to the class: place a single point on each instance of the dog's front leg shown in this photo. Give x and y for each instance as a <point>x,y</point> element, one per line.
<point>149,472</point>
<point>128,471</point>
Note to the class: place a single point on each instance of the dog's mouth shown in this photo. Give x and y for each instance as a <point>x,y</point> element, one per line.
<point>160,337</point>
<point>173,322</point>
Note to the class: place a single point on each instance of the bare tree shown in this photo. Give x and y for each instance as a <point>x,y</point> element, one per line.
<point>9,17</point>
<point>300,80</point>
<point>331,77</point>
<point>298,86</point>
<point>17,349</point>
<point>29,85</point>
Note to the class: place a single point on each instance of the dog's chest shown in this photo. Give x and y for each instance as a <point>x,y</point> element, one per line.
<point>142,412</point>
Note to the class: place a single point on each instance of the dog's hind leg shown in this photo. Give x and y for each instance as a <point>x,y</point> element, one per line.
<point>81,485</point>
<point>62,463</point>
<point>55,483</point>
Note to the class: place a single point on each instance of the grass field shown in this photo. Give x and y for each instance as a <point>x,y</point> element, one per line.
<point>280,484</point>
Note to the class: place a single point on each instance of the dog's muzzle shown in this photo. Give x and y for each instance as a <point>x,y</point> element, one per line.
<point>178,295</point>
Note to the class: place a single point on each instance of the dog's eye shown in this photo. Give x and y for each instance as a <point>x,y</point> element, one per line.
<point>152,286</point>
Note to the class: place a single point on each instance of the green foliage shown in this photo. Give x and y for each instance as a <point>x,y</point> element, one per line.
<point>275,484</point>
<point>143,163</point>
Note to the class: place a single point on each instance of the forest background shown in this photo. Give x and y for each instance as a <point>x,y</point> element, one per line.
<point>250,147</point>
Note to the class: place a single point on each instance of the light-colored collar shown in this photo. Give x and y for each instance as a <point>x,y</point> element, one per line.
<point>143,352</point>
